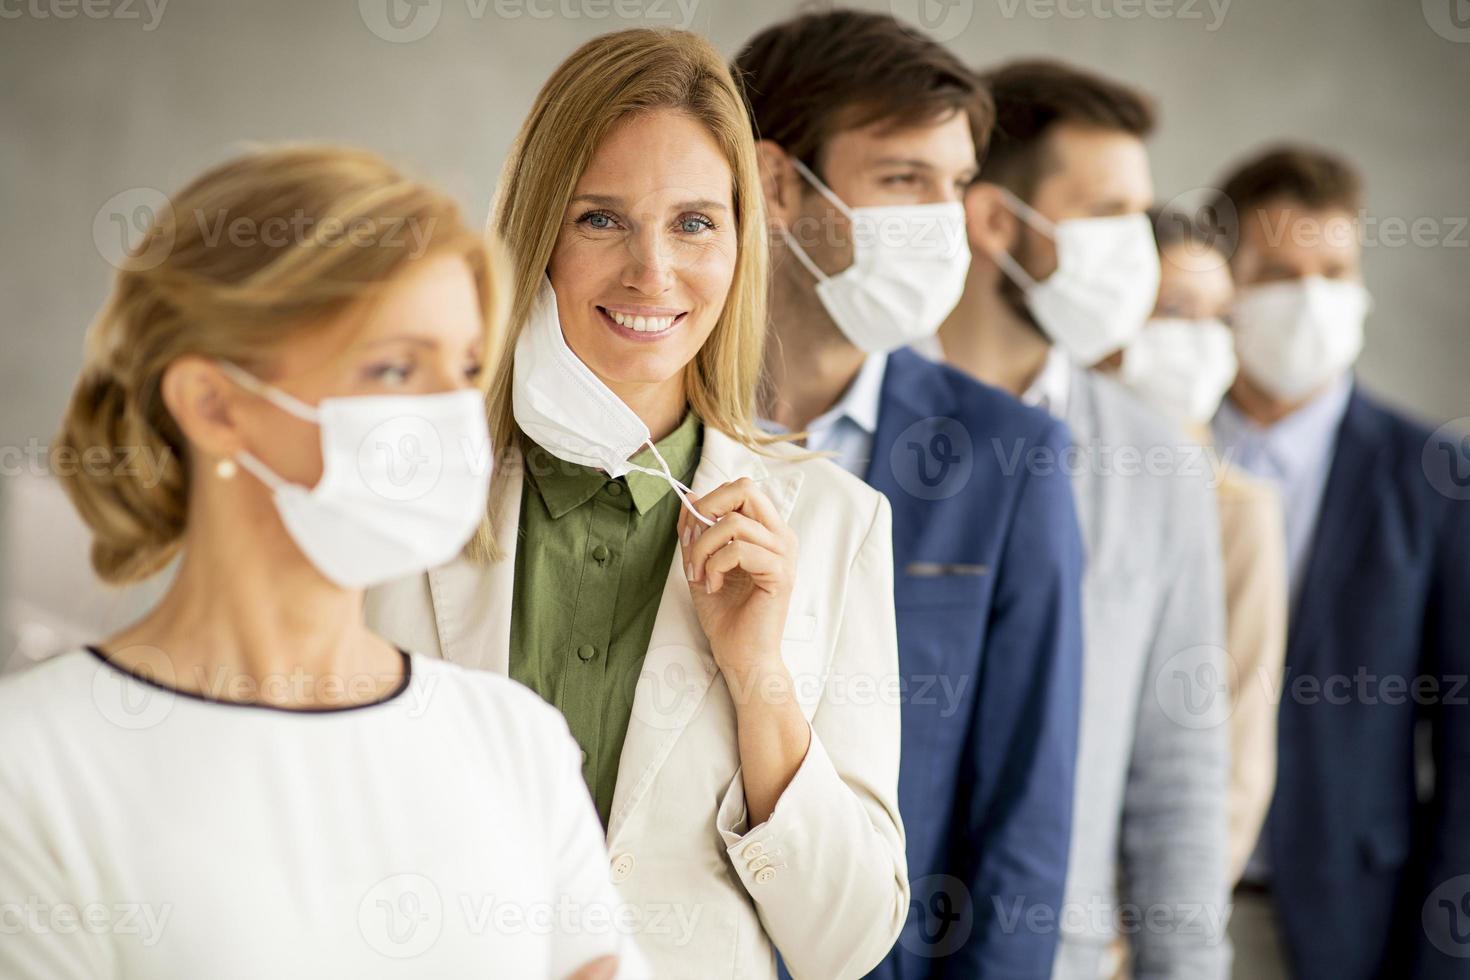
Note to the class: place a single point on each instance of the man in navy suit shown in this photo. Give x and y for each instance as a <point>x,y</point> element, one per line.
<point>1363,867</point>
<point>867,127</point>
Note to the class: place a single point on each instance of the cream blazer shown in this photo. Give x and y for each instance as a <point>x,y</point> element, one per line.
<point>824,879</point>
<point>1253,534</point>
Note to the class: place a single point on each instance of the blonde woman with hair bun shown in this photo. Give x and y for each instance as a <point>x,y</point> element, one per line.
<point>248,782</point>
<point>735,701</point>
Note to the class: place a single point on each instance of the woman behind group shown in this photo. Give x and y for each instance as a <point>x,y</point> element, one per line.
<point>736,706</point>
<point>1182,364</point>
<point>247,782</point>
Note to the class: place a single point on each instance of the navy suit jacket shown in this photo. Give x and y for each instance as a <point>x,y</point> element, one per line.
<point>1371,872</point>
<point>987,562</point>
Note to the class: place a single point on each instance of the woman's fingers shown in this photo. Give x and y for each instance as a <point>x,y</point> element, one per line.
<point>762,565</point>
<point>744,496</point>
<point>732,527</point>
<point>602,968</point>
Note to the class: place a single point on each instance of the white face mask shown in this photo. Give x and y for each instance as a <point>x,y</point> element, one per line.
<point>566,409</point>
<point>1181,367</point>
<point>908,270</point>
<point>403,486</point>
<point>1104,286</point>
<point>1294,337</point>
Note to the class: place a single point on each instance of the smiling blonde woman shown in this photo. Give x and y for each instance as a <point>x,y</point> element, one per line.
<point>735,702</point>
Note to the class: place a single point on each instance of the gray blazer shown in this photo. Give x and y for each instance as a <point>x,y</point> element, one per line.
<point>1149,825</point>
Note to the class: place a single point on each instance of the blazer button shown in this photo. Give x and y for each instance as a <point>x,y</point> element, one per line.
<point>586,652</point>
<point>754,850</point>
<point>759,863</point>
<point>622,866</point>
<point>764,875</point>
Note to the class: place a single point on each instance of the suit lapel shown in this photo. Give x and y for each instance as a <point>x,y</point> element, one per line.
<point>1340,532</point>
<point>907,397</point>
<point>679,669</point>
<point>472,603</point>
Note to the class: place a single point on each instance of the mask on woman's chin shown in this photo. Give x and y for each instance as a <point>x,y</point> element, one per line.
<point>563,407</point>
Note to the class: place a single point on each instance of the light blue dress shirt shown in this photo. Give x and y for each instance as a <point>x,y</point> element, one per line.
<point>1295,455</point>
<point>848,428</point>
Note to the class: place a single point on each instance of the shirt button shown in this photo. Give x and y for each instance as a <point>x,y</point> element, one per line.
<point>584,757</point>
<point>600,553</point>
<point>622,866</point>
<point>586,652</point>
<point>614,488</point>
<point>764,875</point>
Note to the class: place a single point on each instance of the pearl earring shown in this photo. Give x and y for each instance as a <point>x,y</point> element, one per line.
<point>226,469</point>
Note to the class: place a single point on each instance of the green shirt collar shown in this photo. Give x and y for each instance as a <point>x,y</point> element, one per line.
<point>566,486</point>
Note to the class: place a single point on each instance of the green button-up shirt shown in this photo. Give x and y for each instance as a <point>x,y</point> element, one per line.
<point>591,563</point>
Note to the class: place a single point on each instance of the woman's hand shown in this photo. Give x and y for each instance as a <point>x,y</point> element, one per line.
<point>741,572</point>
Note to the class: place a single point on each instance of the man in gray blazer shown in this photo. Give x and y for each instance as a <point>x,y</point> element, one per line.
<point>1063,275</point>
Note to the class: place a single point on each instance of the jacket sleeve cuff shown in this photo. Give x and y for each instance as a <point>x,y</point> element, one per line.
<point>759,853</point>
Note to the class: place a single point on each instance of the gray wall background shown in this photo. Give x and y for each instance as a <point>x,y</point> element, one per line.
<point>106,99</point>
<point>102,100</point>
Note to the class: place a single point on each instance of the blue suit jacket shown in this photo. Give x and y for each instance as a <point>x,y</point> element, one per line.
<point>987,561</point>
<point>1372,880</point>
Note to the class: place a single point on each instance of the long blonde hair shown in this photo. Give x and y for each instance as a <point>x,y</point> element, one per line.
<point>603,81</point>
<point>188,289</point>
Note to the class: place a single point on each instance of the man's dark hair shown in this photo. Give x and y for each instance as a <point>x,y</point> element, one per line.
<point>1031,97</point>
<point>818,74</point>
<point>1304,175</point>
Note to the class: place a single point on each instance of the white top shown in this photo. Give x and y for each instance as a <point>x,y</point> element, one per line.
<point>443,831</point>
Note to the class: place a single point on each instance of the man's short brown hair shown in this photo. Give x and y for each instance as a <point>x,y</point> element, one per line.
<point>1289,173</point>
<point>1305,175</point>
<point>813,76</point>
<point>1033,96</point>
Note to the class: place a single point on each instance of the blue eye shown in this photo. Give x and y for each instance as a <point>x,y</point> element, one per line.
<point>391,373</point>
<point>693,224</point>
<point>597,220</point>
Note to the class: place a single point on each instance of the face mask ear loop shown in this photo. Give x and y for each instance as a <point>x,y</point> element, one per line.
<point>1036,220</point>
<point>680,490</point>
<point>277,397</point>
<point>260,471</point>
<point>822,188</point>
<point>803,258</point>
<point>832,199</point>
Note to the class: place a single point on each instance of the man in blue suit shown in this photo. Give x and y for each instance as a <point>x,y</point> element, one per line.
<point>1363,867</point>
<point>868,142</point>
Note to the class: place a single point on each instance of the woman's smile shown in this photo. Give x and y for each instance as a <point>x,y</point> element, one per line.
<point>642,324</point>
